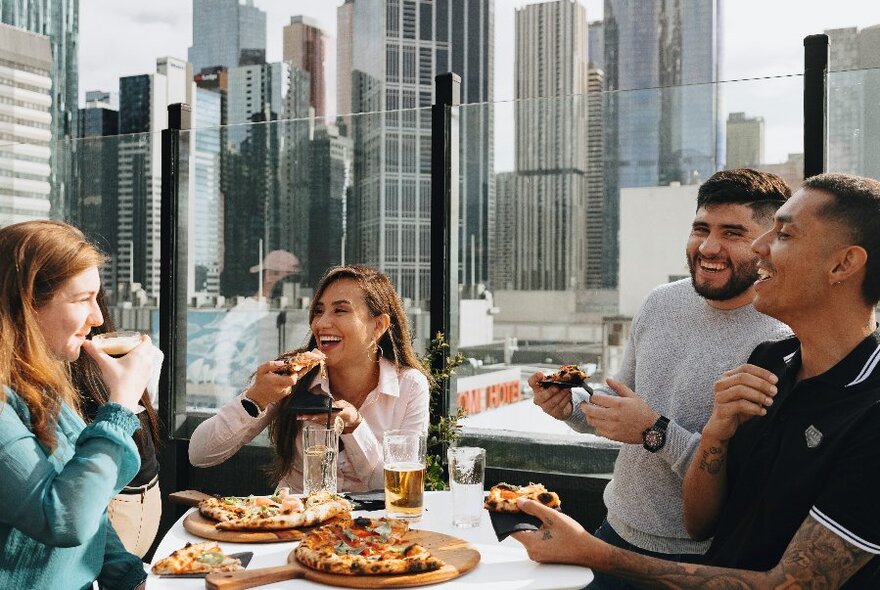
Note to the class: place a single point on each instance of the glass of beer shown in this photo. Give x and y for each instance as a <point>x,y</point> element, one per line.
<point>320,454</point>
<point>404,452</point>
<point>117,344</point>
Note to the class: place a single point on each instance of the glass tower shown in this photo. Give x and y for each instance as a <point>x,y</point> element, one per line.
<point>224,31</point>
<point>58,20</point>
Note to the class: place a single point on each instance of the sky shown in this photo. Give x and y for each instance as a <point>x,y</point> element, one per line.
<point>761,39</point>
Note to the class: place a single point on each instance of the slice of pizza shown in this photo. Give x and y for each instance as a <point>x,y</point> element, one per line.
<point>568,374</point>
<point>197,558</point>
<point>365,546</point>
<point>289,513</point>
<point>300,363</point>
<point>503,496</point>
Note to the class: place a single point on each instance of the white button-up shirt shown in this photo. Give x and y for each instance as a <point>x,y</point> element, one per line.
<point>399,401</point>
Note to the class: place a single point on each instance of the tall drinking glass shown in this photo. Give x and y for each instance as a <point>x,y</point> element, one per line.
<point>467,469</point>
<point>320,453</point>
<point>404,452</point>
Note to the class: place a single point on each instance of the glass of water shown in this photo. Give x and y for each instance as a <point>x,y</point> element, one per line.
<point>467,469</point>
<point>320,453</point>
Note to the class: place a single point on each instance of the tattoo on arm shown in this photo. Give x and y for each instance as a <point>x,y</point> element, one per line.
<point>547,535</point>
<point>713,460</point>
<point>816,558</point>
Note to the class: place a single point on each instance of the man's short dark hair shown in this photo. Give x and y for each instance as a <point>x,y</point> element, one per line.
<point>762,192</point>
<point>856,209</point>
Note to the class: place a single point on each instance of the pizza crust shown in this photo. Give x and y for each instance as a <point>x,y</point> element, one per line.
<point>503,496</point>
<point>196,558</point>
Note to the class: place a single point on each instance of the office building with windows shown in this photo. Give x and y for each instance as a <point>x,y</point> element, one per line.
<point>59,21</point>
<point>395,50</point>
<point>225,31</point>
<point>305,47</point>
<point>25,125</point>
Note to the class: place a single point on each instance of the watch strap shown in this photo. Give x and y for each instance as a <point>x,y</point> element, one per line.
<point>251,407</point>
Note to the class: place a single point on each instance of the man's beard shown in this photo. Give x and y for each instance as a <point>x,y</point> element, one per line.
<point>742,277</point>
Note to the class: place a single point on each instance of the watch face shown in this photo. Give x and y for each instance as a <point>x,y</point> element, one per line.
<point>654,439</point>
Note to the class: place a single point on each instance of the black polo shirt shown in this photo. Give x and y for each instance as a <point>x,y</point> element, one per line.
<point>816,452</point>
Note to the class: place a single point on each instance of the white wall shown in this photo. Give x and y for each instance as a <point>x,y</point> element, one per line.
<point>655,223</point>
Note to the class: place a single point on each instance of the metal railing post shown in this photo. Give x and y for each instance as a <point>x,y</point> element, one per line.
<point>815,103</point>
<point>173,458</point>
<point>444,220</point>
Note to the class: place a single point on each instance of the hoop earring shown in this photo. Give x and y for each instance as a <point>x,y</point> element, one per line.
<point>379,352</point>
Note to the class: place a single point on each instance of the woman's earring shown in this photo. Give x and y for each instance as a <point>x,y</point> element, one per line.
<point>379,352</point>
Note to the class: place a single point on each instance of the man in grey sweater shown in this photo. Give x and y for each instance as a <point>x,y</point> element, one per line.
<point>685,335</point>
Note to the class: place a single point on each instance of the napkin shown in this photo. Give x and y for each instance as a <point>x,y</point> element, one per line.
<point>505,523</point>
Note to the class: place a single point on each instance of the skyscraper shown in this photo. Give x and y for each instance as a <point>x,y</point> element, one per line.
<point>551,83</point>
<point>305,47</point>
<point>745,141</point>
<point>207,200</point>
<point>143,113</point>
<point>854,85</point>
<point>223,31</point>
<point>25,128</point>
<point>59,21</point>
<point>663,118</point>
<point>396,49</point>
<point>599,242</point>
<point>255,199</point>
<point>95,208</point>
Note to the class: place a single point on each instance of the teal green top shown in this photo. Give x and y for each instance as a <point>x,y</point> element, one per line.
<point>54,530</point>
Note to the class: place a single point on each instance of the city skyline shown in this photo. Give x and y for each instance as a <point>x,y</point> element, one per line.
<point>771,47</point>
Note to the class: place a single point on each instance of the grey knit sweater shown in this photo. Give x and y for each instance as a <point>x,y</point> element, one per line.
<point>679,345</point>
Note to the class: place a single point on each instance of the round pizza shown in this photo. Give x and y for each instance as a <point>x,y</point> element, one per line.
<point>503,496</point>
<point>365,546</point>
<point>197,558</point>
<point>281,510</point>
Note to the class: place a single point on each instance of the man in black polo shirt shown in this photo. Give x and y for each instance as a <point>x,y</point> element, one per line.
<point>788,468</point>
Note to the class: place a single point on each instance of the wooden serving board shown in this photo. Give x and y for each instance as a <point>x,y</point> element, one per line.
<point>459,555</point>
<point>203,527</point>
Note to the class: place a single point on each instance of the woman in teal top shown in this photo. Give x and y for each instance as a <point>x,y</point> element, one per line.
<point>58,475</point>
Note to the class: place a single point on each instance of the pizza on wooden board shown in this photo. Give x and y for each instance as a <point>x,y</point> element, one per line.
<point>197,558</point>
<point>281,510</point>
<point>365,546</point>
<point>503,496</point>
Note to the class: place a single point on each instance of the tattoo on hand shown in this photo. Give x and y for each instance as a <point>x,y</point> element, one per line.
<point>712,460</point>
<point>546,536</point>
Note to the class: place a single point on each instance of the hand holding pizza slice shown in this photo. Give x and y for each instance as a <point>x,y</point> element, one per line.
<point>503,496</point>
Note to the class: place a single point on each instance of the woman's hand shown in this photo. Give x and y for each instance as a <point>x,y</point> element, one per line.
<point>126,377</point>
<point>268,386</point>
<point>350,416</point>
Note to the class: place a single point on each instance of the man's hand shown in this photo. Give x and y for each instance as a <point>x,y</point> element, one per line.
<point>740,394</point>
<point>555,401</point>
<point>559,540</point>
<point>622,418</point>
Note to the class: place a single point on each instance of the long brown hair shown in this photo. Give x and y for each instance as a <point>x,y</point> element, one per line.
<point>395,345</point>
<point>86,377</point>
<point>40,257</point>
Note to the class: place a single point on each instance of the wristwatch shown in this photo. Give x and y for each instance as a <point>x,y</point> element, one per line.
<point>654,437</point>
<point>251,407</point>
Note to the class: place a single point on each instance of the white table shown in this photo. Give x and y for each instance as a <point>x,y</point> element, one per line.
<point>502,565</point>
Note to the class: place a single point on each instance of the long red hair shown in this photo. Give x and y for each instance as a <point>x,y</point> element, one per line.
<point>40,257</point>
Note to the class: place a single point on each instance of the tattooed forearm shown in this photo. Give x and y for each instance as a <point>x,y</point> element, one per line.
<point>816,558</point>
<point>713,460</point>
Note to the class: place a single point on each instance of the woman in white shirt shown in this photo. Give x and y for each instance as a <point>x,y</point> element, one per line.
<point>357,320</point>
